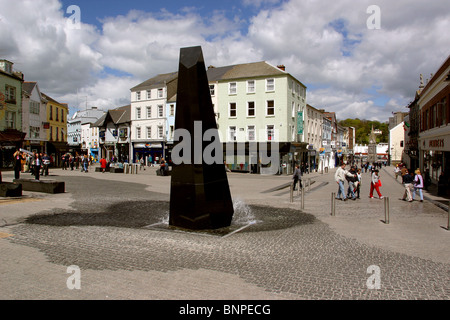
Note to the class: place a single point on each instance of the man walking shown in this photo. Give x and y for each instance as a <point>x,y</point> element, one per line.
<point>339,177</point>
<point>297,177</point>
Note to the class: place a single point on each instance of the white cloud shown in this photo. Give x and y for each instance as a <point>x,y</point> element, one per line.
<point>322,43</point>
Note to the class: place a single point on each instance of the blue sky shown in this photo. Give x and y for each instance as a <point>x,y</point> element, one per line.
<point>348,68</point>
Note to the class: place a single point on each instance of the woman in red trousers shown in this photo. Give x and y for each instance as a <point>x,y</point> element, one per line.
<point>375,184</point>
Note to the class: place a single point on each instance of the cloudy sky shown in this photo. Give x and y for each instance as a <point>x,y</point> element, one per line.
<point>92,52</point>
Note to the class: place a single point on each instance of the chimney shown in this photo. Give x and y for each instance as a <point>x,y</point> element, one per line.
<point>281,67</point>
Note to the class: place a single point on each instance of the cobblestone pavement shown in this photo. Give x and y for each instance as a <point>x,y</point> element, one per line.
<point>114,228</point>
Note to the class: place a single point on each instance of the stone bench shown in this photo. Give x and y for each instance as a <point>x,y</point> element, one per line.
<point>46,186</point>
<point>116,170</point>
<point>99,169</point>
<point>9,189</point>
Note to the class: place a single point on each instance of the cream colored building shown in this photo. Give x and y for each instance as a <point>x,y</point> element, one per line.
<point>396,142</point>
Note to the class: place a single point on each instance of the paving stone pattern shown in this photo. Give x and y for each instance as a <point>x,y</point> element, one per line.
<point>284,251</point>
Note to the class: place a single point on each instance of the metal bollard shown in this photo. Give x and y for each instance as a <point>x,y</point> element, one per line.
<point>333,203</point>
<point>292,192</point>
<point>386,210</point>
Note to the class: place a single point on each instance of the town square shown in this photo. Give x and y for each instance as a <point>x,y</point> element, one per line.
<point>202,152</point>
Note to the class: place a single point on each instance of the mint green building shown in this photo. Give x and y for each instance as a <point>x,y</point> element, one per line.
<point>256,104</point>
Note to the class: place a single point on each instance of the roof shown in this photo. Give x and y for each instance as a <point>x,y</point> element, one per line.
<point>28,86</point>
<point>117,116</point>
<point>156,82</point>
<point>249,70</point>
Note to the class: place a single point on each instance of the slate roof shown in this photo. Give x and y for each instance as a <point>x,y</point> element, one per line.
<point>156,82</point>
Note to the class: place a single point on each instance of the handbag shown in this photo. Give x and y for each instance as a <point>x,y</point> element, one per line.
<point>379,183</point>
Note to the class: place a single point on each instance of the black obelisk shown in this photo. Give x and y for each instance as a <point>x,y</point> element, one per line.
<point>200,196</point>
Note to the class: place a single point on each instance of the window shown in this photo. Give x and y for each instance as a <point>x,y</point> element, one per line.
<point>270,84</point>
<point>251,86</point>
<point>270,110</point>
<point>149,112</point>
<point>138,95</point>
<point>10,118</point>
<point>232,133</point>
<point>62,115</point>
<point>34,107</point>
<point>149,94</point>
<point>171,131</point>
<point>172,109</point>
<point>160,132</point>
<point>160,93</point>
<point>270,132</point>
<point>138,113</point>
<point>149,132</point>
<point>160,111</point>
<point>212,90</point>
<point>232,111</point>
<point>62,134</point>
<point>51,133</point>
<point>10,94</point>
<point>251,133</point>
<point>293,109</point>
<point>56,112</point>
<point>232,88</point>
<point>138,133</point>
<point>250,109</point>
<point>50,113</point>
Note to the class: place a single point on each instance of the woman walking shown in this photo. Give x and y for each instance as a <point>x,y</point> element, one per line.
<point>418,185</point>
<point>375,184</point>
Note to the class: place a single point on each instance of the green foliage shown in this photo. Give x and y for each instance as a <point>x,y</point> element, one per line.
<point>363,128</point>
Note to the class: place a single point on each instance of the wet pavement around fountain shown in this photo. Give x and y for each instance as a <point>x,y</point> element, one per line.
<point>113,227</point>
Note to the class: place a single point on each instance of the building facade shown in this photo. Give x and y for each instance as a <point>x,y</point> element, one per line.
<point>56,129</point>
<point>434,135</point>
<point>74,129</point>
<point>11,135</point>
<point>259,103</point>
<point>149,118</point>
<point>34,115</point>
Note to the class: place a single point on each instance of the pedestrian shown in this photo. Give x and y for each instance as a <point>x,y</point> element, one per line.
<point>37,165</point>
<point>375,184</point>
<point>418,185</point>
<point>339,177</point>
<point>358,183</point>
<point>351,183</point>
<point>162,168</point>
<point>103,164</point>
<point>71,162</point>
<point>297,177</point>
<point>64,159</point>
<point>85,163</point>
<point>18,157</point>
<point>142,163</point>
<point>397,172</point>
<point>46,160</point>
<point>407,181</point>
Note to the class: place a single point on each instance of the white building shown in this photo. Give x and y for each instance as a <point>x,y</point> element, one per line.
<point>396,142</point>
<point>74,128</point>
<point>148,116</point>
<point>34,115</point>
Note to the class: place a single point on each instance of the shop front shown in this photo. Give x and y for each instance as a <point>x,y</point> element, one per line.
<point>435,156</point>
<point>150,152</point>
